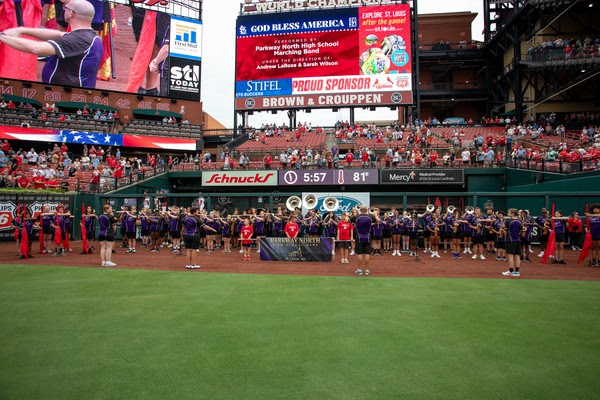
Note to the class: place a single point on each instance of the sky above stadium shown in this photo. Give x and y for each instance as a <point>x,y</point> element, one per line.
<point>218,64</point>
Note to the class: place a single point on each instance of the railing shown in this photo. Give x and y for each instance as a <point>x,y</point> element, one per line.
<point>447,46</point>
<point>108,184</point>
<point>451,86</point>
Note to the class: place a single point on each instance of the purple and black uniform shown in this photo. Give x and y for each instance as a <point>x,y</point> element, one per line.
<point>377,230</point>
<point>513,245</point>
<point>77,59</point>
<point>46,221</point>
<point>427,218</point>
<point>396,229</point>
<point>106,223</point>
<point>363,225</point>
<point>278,227</point>
<point>130,223</point>
<point>144,226</point>
<point>313,227</point>
<point>595,227</point>
<point>226,229</point>
<point>559,230</point>
<point>331,229</point>
<point>259,226</point>
<point>90,227</point>
<point>192,226</point>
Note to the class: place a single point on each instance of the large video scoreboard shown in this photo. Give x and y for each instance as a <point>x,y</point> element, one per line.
<point>359,56</point>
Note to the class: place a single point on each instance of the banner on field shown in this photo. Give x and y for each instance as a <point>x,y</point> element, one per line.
<point>239,178</point>
<point>347,201</point>
<point>298,249</point>
<point>9,203</point>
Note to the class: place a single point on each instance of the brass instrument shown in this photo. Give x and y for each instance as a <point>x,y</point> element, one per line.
<point>546,227</point>
<point>430,208</point>
<point>436,232</point>
<point>470,210</point>
<point>309,201</point>
<point>450,209</point>
<point>524,230</point>
<point>455,228</point>
<point>502,232</point>
<point>479,227</point>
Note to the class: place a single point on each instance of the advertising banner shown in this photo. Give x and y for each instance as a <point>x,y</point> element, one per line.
<point>120,53</point>
<point>10,202</point>
<point>347,201</point>
<point>423,176</point>
<point>96,138</point>
<point>329,177</point>
<point>185,39</point>
<point>184,78</point>
<point>298,249</point>
<point>239,178</point>
<point>361,51</point>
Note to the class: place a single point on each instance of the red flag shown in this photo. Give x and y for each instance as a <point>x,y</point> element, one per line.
<point>41,233</point>
<point>18,216</point>
<point>57,230</point>
<point>83,230</point>
<point>105,70</point>
<point>587,242</point>
<point>143,53</point>
<point>438,203</point>
<point>551,240</point>
<point>15,64</point>
<point>24,236</point>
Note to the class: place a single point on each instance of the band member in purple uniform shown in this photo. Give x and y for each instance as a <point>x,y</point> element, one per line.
<point>192,225</point>
<point>174,221</point>
<point>130,222</point>
<point>144,227</point>
<point>363,223</point>
<point>226,228</point>
<point>377,232</point>
<point>396,233</point>
<point>528,223</point>
<point>513,244</point>
<point>477,234</point>
<point>427,217</point>
<point>543,224</point>
<point>559,231</point>
<point>413,232</point>
<point>89,228</point>
<point>594,218</point>
<point>106,235</point>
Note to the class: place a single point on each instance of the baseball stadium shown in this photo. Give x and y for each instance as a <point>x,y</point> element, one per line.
<point>392,206</point>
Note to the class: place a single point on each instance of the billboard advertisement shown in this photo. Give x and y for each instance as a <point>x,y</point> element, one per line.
<point>329,177</point>
<point>239,178</point>
<point>423,176</point>
<point>127,49</point>
<point>347,201</point>
<point>347,56</point>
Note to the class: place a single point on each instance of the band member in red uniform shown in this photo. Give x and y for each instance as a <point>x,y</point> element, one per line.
<point>246,235</point>
<point>345,235</point>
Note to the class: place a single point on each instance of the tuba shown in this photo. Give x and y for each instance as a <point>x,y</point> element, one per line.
<point>331,204</point>
<point>430,208</point>
<point>469,210</point>
<point>293,202</point>
<point>309,201</point>
<point>450,209</point>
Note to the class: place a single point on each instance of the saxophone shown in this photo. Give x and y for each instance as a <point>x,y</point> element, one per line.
<point>502,231</point>
<point>546,227</point>
<point>479,226</point>
<point>455,228</point>
<point>523,229</point>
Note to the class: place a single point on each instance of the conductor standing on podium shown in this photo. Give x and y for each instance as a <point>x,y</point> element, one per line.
<point>363,224</point>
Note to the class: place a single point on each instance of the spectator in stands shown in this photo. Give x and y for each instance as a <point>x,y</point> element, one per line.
<point>349,158</point>
<point>23,182</point>
<point>267,160</point>
<point>5,146</point>
<point>3,104</point>
<point>465,156</point>
<point>283,160</point>
<point>32,157</point>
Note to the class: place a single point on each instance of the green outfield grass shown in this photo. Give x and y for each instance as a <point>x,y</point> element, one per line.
<point>83,333</point>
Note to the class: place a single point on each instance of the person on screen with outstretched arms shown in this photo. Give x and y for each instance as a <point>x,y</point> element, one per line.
<point>74,57</point>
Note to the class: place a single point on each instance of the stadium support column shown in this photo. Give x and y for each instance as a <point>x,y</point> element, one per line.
<point>517,83</point>
<point>352,116</point>
<point>292,117</point>
<point>235,125</point>
<point>416,74</point>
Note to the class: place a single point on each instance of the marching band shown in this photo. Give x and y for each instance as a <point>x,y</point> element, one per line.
<point>474,233</point>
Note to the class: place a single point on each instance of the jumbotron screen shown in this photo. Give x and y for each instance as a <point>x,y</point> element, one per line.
<point>128,49</point>
<point>327,58</point>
